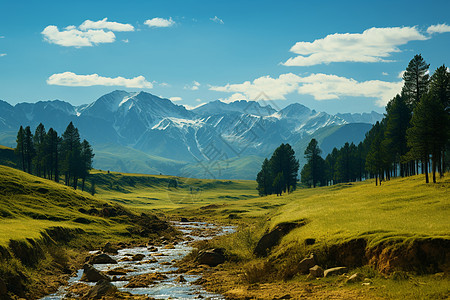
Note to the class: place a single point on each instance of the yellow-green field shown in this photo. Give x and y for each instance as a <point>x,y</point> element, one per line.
<point>404,207</point>
<point>153,192</point>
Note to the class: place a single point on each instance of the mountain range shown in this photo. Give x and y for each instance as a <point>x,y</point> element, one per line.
<point>144,133</point>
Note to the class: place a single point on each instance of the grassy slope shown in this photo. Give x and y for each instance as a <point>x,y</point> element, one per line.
<point>29,205</point>
<point>399,208</point>
<point>141,191</point>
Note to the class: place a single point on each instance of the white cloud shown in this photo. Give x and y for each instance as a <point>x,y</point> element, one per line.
<point>160,22</point>
<point>105,24</point>
<point>439,28</point>
<point>400,74</point>
<point>77,38</point>
<point>385,74</point>
<point>2,37</point>
<point>89,33</point>
<point>175,98</point>
<point>2,54</point>
<point>72,79</point>
<point>164,84</point>
<point>373,45</point>
<point>320,86</point>
<point>217,20</point>
<point>194,87</point>
<point>235,97</point>
<point>126,41</point>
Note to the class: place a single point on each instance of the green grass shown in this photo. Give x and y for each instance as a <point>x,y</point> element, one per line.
<point>29,205</point>
<point>144,192</point>
<point>400,208</point>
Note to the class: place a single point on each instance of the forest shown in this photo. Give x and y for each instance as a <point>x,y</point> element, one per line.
<point>412,138</point>
<point>48,155</point>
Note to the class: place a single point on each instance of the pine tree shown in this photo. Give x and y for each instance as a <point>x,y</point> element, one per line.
<point>420,136</point>
<point>264,179</point>
<point>398,117</point>
<point>416,80</point>
<point>29,149</point>
<point>87,156</point>
<point>375,160</point>
<point>440,89</point>
<point>278,183</point>
<point>20,148</point>
<point>283,161</point>
<point>70,155</point>
<point>315,165</point>
<point>52,146</point>
<point>39,140</point>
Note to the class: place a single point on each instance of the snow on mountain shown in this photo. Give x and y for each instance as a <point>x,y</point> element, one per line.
<point>240,106</point>
<point>157,126</point>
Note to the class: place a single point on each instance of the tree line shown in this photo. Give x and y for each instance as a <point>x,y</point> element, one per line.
<point>412,138</point>
<point>279,174</point>
<point>48,155</point>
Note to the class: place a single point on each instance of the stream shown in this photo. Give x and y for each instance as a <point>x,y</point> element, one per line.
<point>166,288</point>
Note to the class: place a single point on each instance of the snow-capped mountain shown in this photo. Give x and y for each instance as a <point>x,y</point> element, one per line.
<point>158,127</point>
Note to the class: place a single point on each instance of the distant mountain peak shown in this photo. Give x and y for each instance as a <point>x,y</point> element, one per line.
<point>238,106</point>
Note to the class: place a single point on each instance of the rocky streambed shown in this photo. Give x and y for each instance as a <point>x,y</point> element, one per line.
<point>148,271</point>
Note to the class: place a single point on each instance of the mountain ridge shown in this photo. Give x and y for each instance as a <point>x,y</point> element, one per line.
<point>155,126</point>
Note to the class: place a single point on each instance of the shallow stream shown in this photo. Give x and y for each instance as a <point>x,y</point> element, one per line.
<point>167,288</point>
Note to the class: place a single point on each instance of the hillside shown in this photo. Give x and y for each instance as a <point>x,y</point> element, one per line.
<point>397,230</point>
<point>46,228</point>
<point>157,192</point>
<point>7,156</point>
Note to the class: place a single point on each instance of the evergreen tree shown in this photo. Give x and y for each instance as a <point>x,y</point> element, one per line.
<point>440,89</point>
<point>29,149</point>
<point>39,140</point>
<point>20,148</point>
<point>264,179</point>
<point>70,155</point>
<point>398,117</point>
<point>52,146</point>
<point>86,162</point>
<point>283,161</point>
<point>416,80</point>
<point>315,170</point>
<point>282,166</point>
<point>375,156</point>
<point>278,183</point>
<point>331,160</point>
<point>420,135</point>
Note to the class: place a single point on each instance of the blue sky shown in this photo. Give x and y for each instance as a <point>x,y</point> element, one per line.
<point>334,56</point>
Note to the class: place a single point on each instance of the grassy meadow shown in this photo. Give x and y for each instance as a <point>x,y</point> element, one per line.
<point>399,212</point>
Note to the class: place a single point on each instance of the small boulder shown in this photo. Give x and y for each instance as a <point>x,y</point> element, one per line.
<point>334,271</point>
<point>118,271</point>
<point>144,280</point>
<point>108,248</point>
<point>184,220</point>
<point>101,289</point>
<point>152,249</point>
<point>211,257</point>
<point>357,277</point>
<point>102,259</point>
<point>306,264</point>
<point>91,274</point>
<point>180,279</point>
<point>316,271</point>
<point>137,257</point>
